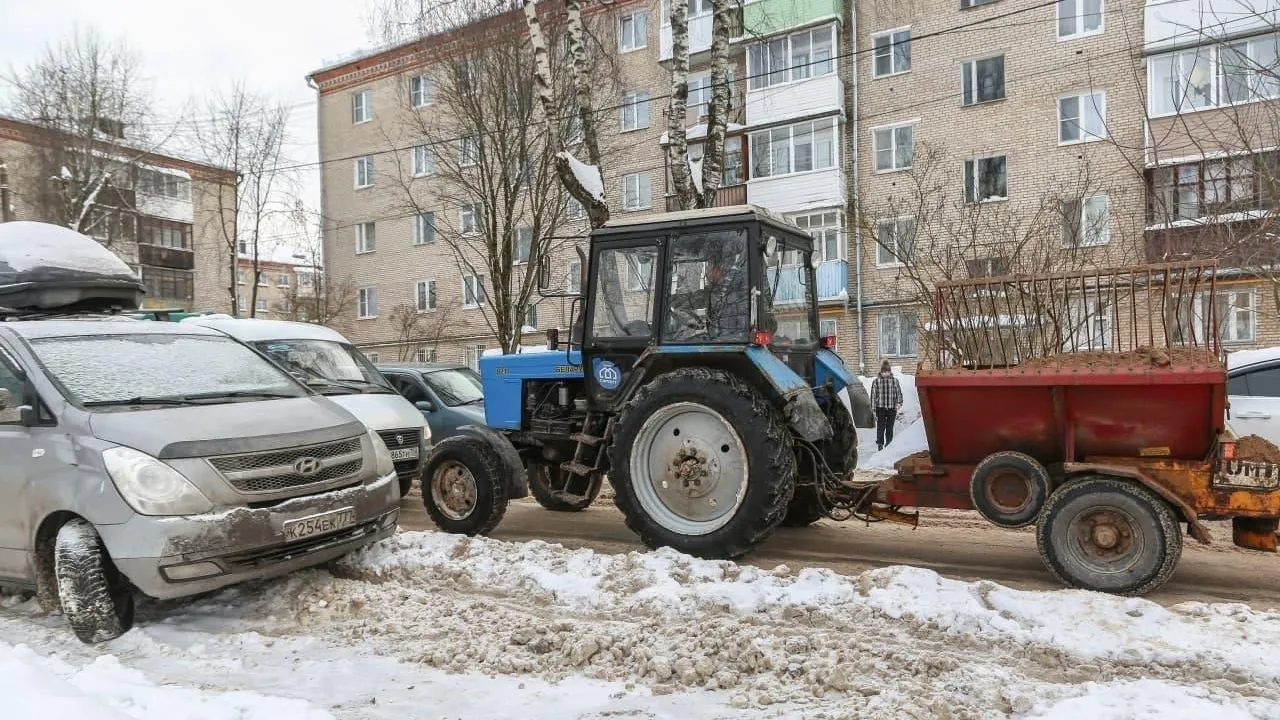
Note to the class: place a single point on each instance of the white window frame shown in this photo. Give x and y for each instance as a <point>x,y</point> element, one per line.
<point>262,278</point>
<point>1096,99</point>
<point>373,356</point>
<point>640,275</point>
<point>894,43</point>
<point>515,249</point>
<point>893,130</point>
<point>635,105</point>
<point>905,347</point>
<point>473,295</point>
<point>423,162</point>
<point>530,313</point>
<point>902,227</point>
<point>756,142</point>
<point>1098,313</point>
<point>363,172</point>
<point>573,210</point>
<point>1079,17</point>
<point>805,221</point>
<point>423,355</point>
<point>465,212</point>
<point>761,78</point>
<point>361,106</point>
<point>472,355</point>
<point>632,39</point>
<point>425,298</point>
<point>1085,228</point>
<point>700,92</point>
<point>468,152</point>
<point>977,180</point>
<point>424,228</point>
<point>969,75</point>
<point>367,303</point>
<point>420,91</point>
<point>643,191</point>
<point>261,305</point>
<point>366,237</point>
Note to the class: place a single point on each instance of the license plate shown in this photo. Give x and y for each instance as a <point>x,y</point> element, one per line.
<point>319,524</point>
<point>405,454</point>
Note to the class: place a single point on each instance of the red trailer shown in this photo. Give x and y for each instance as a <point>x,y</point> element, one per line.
<point>1092,405</point>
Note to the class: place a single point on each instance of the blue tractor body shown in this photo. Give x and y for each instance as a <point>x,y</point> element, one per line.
<point>504,378</point>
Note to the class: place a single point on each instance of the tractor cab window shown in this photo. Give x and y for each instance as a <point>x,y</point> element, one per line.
<point>789,296</point>
<point>709,292</point>
<point>624,293</point>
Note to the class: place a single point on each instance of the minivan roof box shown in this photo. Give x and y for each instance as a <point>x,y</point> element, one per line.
<point>48,269</point>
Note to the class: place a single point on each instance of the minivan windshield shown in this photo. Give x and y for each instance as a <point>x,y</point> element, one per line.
<point>456,386</point>
<point>160,369</point>
<point>327,362</point>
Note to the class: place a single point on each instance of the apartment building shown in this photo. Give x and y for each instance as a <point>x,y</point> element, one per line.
<point>957,139</point>
<point>160,214</point>
<point>277,290</point>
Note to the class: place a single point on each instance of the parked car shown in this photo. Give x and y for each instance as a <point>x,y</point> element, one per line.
<point>329,364</point>
<point>448,396</point>
<point>1253,390</point>
<point>159,457</point>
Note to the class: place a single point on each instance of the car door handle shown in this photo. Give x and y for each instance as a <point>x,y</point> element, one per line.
<point>1254,415</point>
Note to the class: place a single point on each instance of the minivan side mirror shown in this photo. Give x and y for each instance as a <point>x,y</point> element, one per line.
<point>425,406</point>
<point>28,415</point>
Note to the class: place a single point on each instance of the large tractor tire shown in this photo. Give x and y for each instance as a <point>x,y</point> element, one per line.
<point>464,485</point>
<point>95,597</point>
<point>1110,536</point>
<point>841,455</point>
<point>701,463</point>
<point>559,491</point>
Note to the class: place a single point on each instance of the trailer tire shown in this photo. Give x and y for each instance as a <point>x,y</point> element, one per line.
<point>1109,535</point>
<point>544,477</point>
<point>1009,489</point>
<point>95,597</point>
<point>464,485</point>
<point>729,425</point>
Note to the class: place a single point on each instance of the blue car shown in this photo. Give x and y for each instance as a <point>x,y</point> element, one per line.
<point>448,396</point>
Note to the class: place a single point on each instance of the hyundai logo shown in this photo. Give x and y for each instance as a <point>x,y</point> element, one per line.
<point>306,466</point>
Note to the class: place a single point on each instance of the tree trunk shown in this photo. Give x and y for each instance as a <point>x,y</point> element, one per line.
<point>677,147</point>
<point>717,117</point>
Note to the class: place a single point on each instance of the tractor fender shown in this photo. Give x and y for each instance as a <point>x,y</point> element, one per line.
<point>801,409</point>
<point>517,478</point>
<point>830,368</point>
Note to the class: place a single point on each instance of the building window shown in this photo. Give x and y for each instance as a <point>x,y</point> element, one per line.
<point>794,148</point>
<point>635,110</point>
<point>1249,70</point>
<point>242,305</point>
<point>473,291</point>
<point>425,295</point>
<point>1211,187</point>
<point>373,356</point>
<point>424,228</point>
<point>366,238</point>
<point>262,278</point>
<point>985,179</point>
<point>894,146</point>
<point>468,151</point>
<point>168,283</point>
<point>633,31</point>
<point>731,173</point>
<point>423,163</point>
<point>1182,81</point>
<point>530,318</point>
<point>420,91</point>
<point>424,355</point>
<point>1082,117</point>
<point>828,327</point>
<point>1086,222</point>
<point>1088,325</point>
<point>966,4</point>
<point>983,80</point>
<point>473,355</point>
<point>987,267</point>
<point>700,92</point>
<point>524,244</point>
<point>824,228</point>
<point>162,184</point>
<point>892,52</point>
<point>364,171</point>
<point>282,280</point>
<point>573,210</point>
<point>260,305</point>
<point>468,76</point>
<point>367,302</point>
<point>468,222</point>
<point>895,240</point>
<point>637,191</point>
<point>361,107</point>
<point>574,280</point>
<point>1079,17</point>
<point>164,233</point>
<point>639,272</point>
<point>573,132</point>
<point>898,335</point>
<point>789,58</point>
<point>241,275</point>
<point>1236,316</point>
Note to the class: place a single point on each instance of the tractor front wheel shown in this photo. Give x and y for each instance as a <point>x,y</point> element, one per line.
<point>464,485</point>
<point>559,491</point>
<point>702,463</point>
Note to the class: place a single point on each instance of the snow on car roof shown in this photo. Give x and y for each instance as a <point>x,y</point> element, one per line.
<point>26,245</point>
<point>34,330</point>
<point>257,330</point>
<point>1241,358</point>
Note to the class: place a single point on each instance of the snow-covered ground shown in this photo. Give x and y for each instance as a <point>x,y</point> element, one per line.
<point>426,625</point>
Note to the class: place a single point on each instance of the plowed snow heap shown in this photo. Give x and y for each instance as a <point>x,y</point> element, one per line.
<point>51,268</point>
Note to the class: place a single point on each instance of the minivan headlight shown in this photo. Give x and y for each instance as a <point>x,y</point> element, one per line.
<point>152,487</point>
<point>382,462</point>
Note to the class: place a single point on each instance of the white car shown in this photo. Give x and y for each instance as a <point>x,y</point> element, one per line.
<point>1253,389</point>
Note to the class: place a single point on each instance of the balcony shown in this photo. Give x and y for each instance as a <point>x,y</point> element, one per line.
<point>729,195</point>
<point>767,17</point>
<point>797,192</point>
<point>699,35</point>
<point>1249,242</point>
<point>796,99</point>
<point>833,282</point>
<point>166,257</point>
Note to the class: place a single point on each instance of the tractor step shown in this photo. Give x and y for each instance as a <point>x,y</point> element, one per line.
<point>577,468</point>
<point>586,439</point>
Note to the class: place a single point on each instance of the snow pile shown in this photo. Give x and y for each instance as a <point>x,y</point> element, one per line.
<point>908,429</point>
<point>908,441</point>
<point>588,175</point>
<point>1152,700</point>
<point>40,687</point>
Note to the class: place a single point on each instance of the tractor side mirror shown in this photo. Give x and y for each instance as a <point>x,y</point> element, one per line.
<point>544,273</point>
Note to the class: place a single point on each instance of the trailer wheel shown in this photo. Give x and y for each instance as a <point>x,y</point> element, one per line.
<point>1109,535</point>
<point>550,484</point>
<point>464,488</point>
<point>702,463</point>
<point>1009,488</point>
<point>840,454</point>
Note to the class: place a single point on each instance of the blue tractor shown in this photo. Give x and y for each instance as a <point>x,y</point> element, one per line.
<point>694,377</point>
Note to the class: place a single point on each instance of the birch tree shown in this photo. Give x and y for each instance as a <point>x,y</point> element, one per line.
<point>696,183</point>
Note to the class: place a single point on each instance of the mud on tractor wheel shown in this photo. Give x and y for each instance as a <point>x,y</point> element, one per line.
<point>840,454</point>
<point>701,463</point>
<point>559,491</point>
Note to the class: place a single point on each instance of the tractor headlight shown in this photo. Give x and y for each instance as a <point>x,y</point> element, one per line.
<point>382,462</point>
<point>152,487</point>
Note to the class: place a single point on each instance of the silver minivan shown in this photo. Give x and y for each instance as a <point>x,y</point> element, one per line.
<point>158,457</point>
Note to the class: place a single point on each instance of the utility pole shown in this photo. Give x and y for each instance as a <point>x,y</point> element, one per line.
<point>6,211</point>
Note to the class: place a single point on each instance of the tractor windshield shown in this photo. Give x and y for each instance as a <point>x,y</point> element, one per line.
<point>789,297</point>
<point>709,293</point>
<point>623,293</point>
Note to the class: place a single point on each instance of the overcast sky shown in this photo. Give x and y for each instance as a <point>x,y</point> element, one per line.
<point>191,48</point>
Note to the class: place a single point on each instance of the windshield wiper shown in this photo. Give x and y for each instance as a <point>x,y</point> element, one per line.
<point>241,394</point>
<point>141,400</point>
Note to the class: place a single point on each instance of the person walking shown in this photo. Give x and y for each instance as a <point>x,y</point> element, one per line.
<point>886,398</point>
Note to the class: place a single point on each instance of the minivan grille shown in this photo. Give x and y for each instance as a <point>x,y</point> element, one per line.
<point>278,470</point>
<point>397,439</point>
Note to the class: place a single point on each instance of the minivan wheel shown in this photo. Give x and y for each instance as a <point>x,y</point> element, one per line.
<point>95,597</point>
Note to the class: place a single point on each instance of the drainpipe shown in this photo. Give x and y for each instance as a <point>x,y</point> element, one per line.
<point>857,161</point>
<point>6,212</point>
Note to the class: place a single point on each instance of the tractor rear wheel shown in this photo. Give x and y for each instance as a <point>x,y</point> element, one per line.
<point>1109,535</point>
<point>559,491</point>
<point>840,454</point>
<point>701,463</point>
